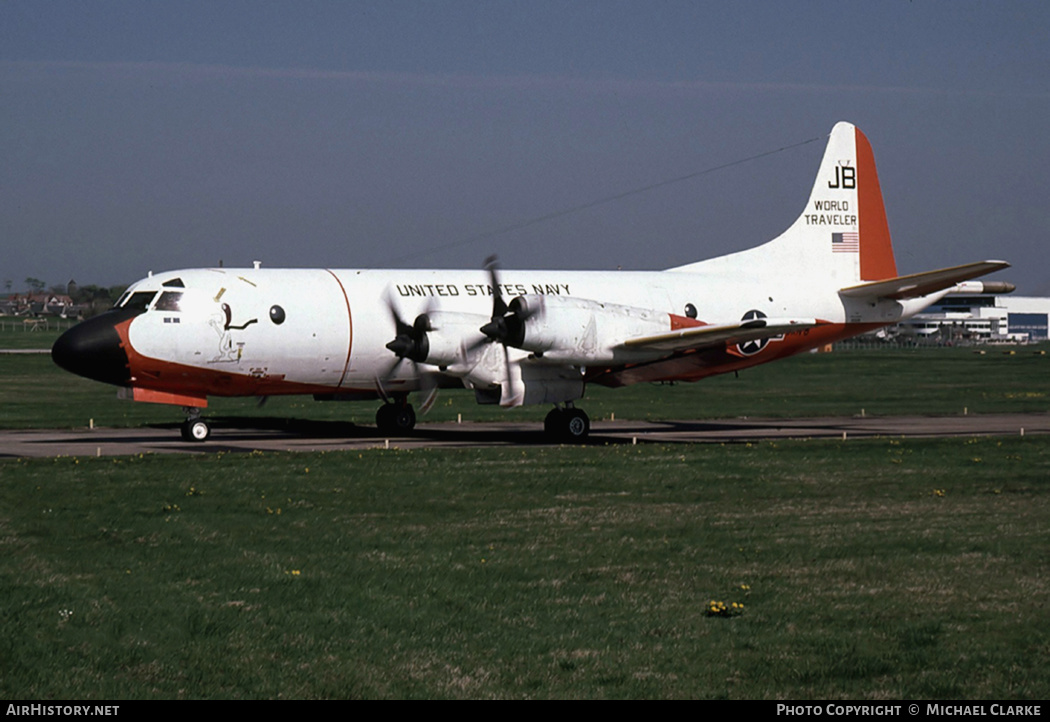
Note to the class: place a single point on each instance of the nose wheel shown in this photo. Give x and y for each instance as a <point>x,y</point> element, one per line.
<point>195,430</point>
<point>567,425</point>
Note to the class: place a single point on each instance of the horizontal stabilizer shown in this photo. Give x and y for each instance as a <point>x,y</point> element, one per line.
<point>700,337</point>
<point>922,284</point>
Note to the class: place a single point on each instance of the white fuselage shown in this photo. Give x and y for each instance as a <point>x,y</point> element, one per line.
<point>336,322</point>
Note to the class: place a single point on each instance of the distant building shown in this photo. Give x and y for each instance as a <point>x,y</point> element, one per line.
<point>979,318</point>
<point>39,304</point>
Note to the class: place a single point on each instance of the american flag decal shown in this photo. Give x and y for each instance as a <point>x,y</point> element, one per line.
<point>845,242</point>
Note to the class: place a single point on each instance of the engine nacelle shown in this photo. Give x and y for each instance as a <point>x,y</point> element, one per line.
<point>450,336</point>
<point>582,332</point>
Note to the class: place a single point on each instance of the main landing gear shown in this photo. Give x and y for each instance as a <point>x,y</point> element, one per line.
<point>396,418</point>
<point>568,425</point>
<point>194,428</point>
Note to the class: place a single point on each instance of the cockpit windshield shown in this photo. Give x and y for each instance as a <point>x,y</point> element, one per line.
<point>172,296</point>
<point>169,301</point>
<point>138,301</point>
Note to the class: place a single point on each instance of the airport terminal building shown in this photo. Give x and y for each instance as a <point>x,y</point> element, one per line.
<point>979,318</point>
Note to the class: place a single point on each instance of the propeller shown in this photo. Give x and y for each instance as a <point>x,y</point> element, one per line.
<point>508,321</point>
<point>507,325</point>
<point>410,342</point>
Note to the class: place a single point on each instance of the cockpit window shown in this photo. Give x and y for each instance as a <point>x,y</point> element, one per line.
<point>174,283</point>
<point>168,301</point>
<point>139,300</point>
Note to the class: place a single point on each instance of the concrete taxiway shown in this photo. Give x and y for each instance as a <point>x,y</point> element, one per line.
<point>245,435</point>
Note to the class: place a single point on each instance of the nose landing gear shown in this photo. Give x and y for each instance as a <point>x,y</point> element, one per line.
<point>194,428</point>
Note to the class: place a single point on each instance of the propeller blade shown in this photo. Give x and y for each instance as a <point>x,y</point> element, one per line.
<point>507,372</point>
<point>499,307</point>
<point>391,306</point>
<point>380,387</point>
<point>430,396</point>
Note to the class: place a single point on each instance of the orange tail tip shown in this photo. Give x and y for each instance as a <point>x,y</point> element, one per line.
<point>876,250</point>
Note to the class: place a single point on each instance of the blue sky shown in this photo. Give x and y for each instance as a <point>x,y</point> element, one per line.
<point>139,136</point>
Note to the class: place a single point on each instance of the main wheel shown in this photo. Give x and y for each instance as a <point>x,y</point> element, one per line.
<point>195,430</point>
<point>576,425</point>
<point>567,425</point>
<point>396,418</point>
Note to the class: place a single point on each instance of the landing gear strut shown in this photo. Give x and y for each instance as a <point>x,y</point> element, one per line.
<point>396,418</point>
<point>194,428</point>
<point>568,425</point>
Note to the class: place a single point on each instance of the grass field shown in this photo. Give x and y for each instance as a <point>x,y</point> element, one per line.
<point>876,569</point>
<point>881,569</point>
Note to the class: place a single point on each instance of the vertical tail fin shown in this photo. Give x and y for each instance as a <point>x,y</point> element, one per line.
<point>843,233</point>
<point>842,236</point>
<point>848,184</point>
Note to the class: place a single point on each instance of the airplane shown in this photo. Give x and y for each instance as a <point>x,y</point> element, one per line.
<point>513,337</point>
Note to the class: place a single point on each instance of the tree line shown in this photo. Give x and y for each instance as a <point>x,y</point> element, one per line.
<point>92,299</point>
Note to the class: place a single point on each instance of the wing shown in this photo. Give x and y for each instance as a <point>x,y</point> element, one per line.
<point>701,337</point>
